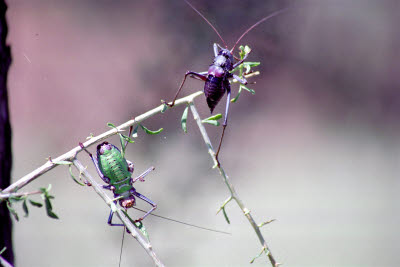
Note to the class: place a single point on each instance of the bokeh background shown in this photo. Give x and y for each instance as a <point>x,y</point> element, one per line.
<point>317,147</point>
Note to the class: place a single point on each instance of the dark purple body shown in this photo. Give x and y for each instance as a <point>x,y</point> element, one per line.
<point>217,82</point>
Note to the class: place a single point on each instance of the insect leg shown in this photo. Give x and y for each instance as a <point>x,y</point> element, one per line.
<point>228,100</point>
<point>110,219</point>
<point>144,174</point>
<point>96,164</point>
<point>201,76</point>
<point>154,205</point>
<point>241,80</point>
<point>109,187</point>
<point>241,61</point>
<point>191,73</point>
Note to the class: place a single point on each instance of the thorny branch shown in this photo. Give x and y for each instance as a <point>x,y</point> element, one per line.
<point>234,195</point>
<point>71,156</point>
<point>10,195</point>
<point>133,231</point>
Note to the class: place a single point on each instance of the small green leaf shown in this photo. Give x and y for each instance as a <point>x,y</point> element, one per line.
<point>48,203</point>
<point>49,208</point>
<point>248,89</point>
<point>134,133</point>
<point>247,49</point>
<point>151,132</point>
<point>215,123</point>
<point>36,204</point>
<point>122,138</point>
<point>184,119</point>
<point>25,208</point>
<point>16,199</point>
<point>164,107</point>
<point>51,214</point>
<point>242,53</point>
<point>214,118</point>
<point>73,177</point>
<point>233,100</point>
<point>122,142</point>
<point>251,64</point>
<point>12,211</point>
<point>109,124</point>
<point>225,215</point>
<point>127,138</point>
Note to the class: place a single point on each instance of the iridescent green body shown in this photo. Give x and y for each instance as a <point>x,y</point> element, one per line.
<point>114,166</point>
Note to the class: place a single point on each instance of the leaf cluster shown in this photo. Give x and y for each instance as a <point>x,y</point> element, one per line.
<point>46,197</point>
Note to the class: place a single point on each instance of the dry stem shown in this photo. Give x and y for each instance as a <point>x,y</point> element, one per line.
<point>234,195</point>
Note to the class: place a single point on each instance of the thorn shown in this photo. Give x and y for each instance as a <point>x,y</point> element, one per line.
<point>266,222</point>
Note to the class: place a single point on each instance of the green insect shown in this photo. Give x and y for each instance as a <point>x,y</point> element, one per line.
<point>117,171</point>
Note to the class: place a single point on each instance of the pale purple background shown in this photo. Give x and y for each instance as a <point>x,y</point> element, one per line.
<point>317,147</point>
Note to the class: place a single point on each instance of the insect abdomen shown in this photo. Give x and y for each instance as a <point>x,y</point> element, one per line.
<point>214,91</point>
<point>115,167</point>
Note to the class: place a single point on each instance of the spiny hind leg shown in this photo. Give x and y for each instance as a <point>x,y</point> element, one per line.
<point>191,73</point>
<point>144,174</point>
<point>142,197</point>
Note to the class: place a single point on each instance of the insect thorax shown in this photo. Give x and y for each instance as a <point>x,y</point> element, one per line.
<point>224,59</point>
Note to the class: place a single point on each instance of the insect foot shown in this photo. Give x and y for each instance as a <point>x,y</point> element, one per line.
<point>165,103</point>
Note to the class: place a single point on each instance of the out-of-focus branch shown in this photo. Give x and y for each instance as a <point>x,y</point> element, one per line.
<point>4,262</point>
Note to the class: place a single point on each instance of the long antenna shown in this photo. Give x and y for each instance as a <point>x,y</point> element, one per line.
<point>122,245</point>
<point>189,224</point>
<point>209,23</point>
<point>258,23</point>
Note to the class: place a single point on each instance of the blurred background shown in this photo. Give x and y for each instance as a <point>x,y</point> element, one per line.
<point>316,148</point>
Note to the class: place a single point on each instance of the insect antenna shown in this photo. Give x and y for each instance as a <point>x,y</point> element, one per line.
<point>122,245</point>
<point>209,23</point>
<point>189,224</point>
<point>258,23</point>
